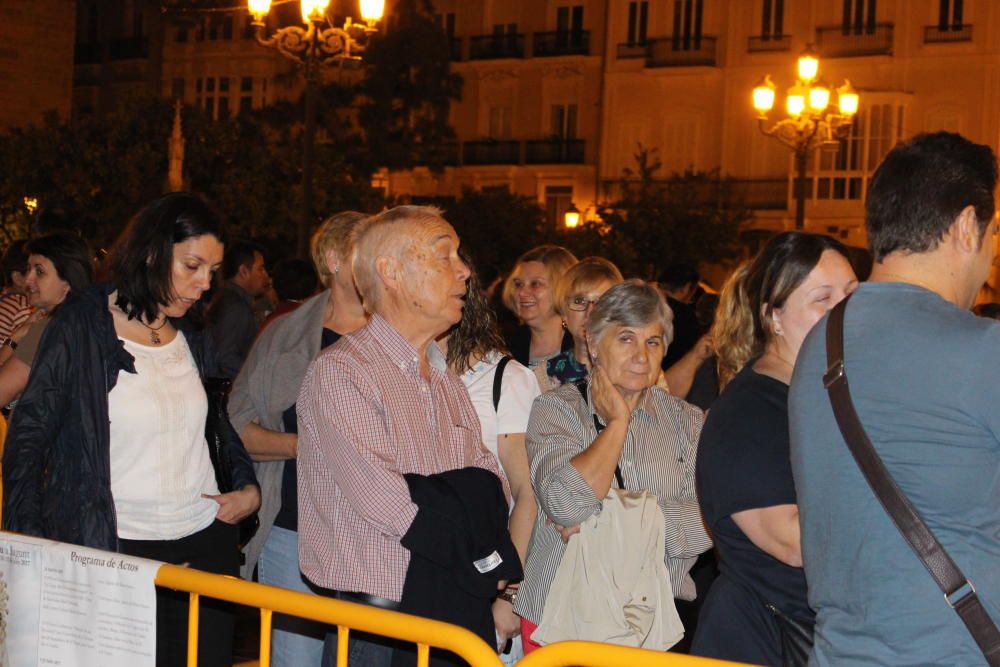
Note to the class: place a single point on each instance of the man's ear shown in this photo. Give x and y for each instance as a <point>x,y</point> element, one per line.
<point>244,271</point>
<point>388,269</point>
<point>965,231</point>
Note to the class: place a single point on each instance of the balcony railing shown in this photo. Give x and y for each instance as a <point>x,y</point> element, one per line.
<point>554,151</point>
<point>942,34</point>
<point>489,47</point>
<point>125,49</point>
<point>87,54</point>
<point>491,151</point>
<point>445,154</point>
<point>762,194</point>
<point>562,43</point>
<point>769,43</point>
<point>628,50</point>
<point>850,41</point>
<point>681,52</point>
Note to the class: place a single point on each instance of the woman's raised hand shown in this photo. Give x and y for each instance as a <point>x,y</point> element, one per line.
<point>608,401</point>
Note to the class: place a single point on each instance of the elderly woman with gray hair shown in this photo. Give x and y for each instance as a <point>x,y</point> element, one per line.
<point>615,430</point>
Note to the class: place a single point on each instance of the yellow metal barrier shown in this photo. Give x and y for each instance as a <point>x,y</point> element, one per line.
<point>347,616</point>
<point>591,654</point>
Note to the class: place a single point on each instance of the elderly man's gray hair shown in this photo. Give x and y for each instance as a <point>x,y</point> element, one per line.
<point>388,234</point>
<point>633,303</point>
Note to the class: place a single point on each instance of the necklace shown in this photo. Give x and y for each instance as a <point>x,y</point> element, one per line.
<point>154,336</point>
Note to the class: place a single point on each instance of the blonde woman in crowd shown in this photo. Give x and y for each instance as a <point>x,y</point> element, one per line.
<point>262,409</point>
<point>530,293</point>
<point>575,295</point>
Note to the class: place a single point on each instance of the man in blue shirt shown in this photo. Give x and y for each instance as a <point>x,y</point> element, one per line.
<point>923,373</point>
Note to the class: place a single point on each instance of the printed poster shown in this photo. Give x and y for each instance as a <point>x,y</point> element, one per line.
<point>68,605</point>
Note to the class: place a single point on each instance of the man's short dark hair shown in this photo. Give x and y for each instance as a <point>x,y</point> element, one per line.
<point>678,275</point>
<point>921,187</point>
<point>294,279</point>
<point>239,253</point>
<point>14,259</point>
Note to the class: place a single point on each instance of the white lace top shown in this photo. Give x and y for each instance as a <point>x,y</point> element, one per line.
<point>159,458</point>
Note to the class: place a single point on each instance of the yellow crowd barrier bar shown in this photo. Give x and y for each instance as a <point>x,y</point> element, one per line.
<point>591,654</point>
<point>347,616</point>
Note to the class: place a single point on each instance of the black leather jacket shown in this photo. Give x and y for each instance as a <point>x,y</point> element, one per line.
<point>56,461</point>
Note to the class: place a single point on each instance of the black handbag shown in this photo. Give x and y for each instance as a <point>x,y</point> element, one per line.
<point>796,638</point>
<point>959,592</point>
<point>220,435</point>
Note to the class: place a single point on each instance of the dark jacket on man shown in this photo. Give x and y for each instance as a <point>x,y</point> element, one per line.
<point>460,549</point>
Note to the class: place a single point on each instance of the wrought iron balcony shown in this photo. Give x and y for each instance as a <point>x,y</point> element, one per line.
<point>762,194</point>
<point>446,154</point>
<point>489,47</point>
<point>628,50</point>
<point>130,48</point>
<point>491,151</point>
<point>769,43</point>
<point>87,54</point>
<point>852,41</point>
<point>554,151</point>
<point>681,52</point>
<point>950,33</point>
<point>562,43</point>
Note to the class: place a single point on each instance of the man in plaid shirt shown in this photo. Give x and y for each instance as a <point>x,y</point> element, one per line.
<point>378,404</point>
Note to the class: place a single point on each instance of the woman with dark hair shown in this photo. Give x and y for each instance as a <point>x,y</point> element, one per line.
<point>107,447</point>
<point>57,264</point>
<point>476,353</point>
<point>744,474</point>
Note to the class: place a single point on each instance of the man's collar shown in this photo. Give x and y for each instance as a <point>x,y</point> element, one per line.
<point>399,350</point>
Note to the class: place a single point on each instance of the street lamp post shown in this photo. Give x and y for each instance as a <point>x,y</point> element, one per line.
<point>809,125</point>
<point>318,44</point>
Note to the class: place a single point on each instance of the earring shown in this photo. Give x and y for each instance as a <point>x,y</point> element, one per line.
<point>336,269</point>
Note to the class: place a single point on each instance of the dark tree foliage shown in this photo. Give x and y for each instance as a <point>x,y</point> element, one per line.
<point>405,96</point>
<point>497,226</point>
<point>102,169</point>
<point>692,216</point>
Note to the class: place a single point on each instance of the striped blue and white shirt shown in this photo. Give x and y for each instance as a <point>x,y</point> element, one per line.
<point>658,456</point>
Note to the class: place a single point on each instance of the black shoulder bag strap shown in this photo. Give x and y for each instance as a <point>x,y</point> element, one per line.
<point>959,592</point>
<point>498,380</point>
<point>581,386</point>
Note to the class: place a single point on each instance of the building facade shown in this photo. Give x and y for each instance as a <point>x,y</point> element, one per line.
<point>36,60</point>
<point>559,94</point>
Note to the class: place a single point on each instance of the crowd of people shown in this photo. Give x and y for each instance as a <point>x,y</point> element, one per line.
<point>642,463</point>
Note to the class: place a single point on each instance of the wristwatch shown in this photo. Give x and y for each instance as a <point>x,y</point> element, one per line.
<point>509,594</point>
<point>11,343</point>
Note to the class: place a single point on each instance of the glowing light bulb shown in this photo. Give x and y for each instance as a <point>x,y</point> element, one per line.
<point>372,10</point>
<point>763,96</point>
<point>313,10</point>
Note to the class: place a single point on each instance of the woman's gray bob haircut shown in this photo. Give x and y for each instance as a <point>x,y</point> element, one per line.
<point>633,303</point>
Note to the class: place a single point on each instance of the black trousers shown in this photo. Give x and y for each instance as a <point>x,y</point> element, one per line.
<point>215,550</point>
